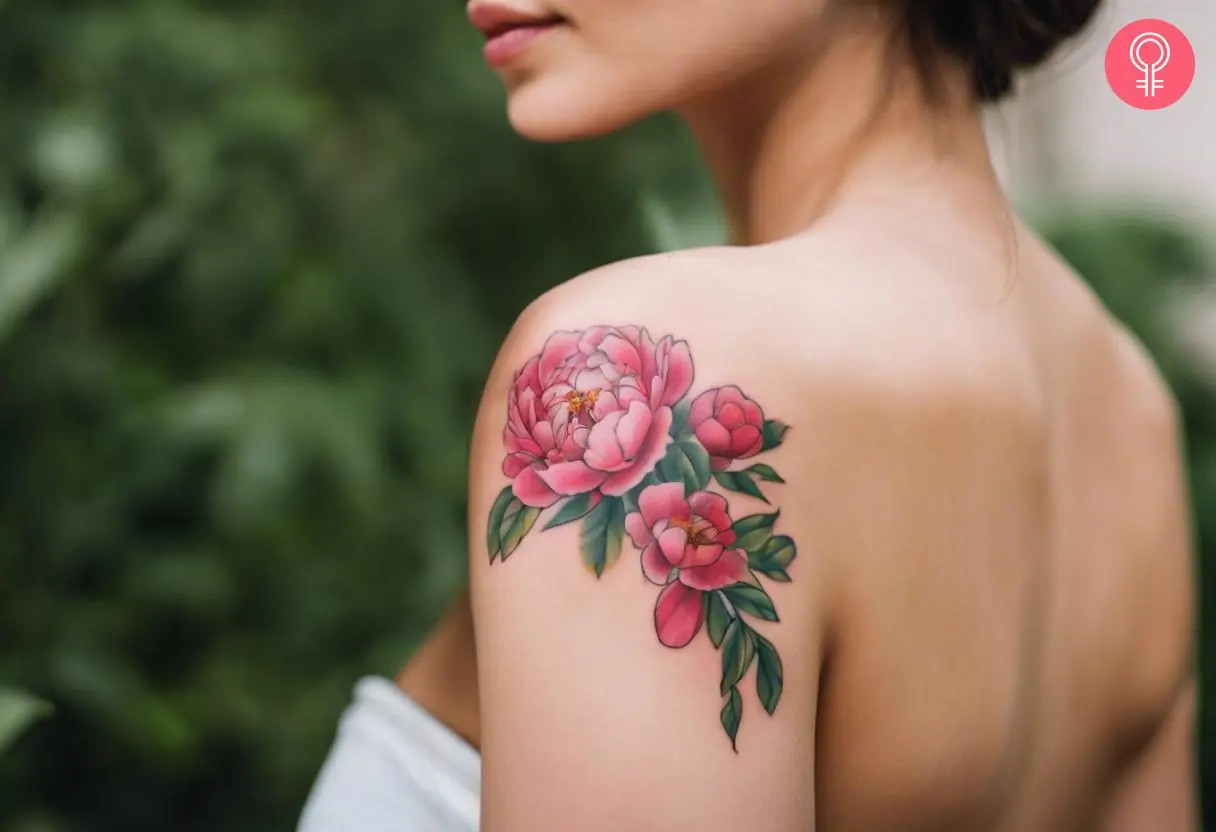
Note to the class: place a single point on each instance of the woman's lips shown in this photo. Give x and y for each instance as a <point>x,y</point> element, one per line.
<point>507,42</point>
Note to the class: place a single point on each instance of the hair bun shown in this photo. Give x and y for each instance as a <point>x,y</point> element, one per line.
<point>996,38</point>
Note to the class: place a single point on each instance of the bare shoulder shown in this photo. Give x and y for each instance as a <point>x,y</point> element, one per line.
<point>841,350</point>
<point>639,570</point>
<point>864,363</point>
<point>1156,784</point>
<point>819,309</point>
<point>1162,565</point>
<point>1127,424</point>
<point>1153,405</point>
<point>1148,425</point>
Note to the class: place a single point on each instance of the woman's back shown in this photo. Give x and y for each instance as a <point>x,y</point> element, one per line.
<point>1008,567</point>
<point>988,617</point>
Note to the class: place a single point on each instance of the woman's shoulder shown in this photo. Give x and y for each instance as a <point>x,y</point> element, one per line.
<point>758,374</point>
<point>640,594</point>
<point>820,321</point>
<point>687,451</point>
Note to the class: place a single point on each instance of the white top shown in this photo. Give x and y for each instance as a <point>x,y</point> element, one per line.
<point>394,768</point>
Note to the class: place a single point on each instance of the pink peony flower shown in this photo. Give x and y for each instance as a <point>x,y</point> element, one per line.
<point>592,411</point>
<point>728,425</point>
<point>685,549</point>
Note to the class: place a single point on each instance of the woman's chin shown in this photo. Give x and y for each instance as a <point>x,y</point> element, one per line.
<point>550,117</point>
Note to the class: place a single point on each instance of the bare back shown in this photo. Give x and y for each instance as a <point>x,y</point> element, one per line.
<point>988,625</point>
<point>1014,633</point>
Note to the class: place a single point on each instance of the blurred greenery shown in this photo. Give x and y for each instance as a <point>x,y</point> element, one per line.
<point>18,711</point>
<point>255,259</point>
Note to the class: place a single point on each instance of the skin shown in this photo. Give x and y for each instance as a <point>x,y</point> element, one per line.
<point>989,625</point>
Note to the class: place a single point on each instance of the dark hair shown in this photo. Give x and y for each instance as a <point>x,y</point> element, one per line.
<point>993,38</point>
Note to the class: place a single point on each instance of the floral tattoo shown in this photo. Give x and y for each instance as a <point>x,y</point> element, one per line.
<point>601,428</point>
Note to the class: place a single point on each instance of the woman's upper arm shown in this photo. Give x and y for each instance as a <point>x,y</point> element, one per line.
<point>647,660</point>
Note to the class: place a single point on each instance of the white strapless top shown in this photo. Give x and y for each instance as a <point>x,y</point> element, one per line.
<point>394,768</point>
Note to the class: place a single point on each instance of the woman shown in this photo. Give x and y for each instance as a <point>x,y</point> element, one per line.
<point>872,520</point>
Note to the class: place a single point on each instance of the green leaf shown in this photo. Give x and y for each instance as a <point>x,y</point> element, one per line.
<point>679,420</point>
<point>754,530</point>
<point>752,600</point>
<point>774,434</point>
<point>686,462</point>
<point>494,524</point>
<point>764,472</point>
<point>602,535</point>
<point>576,508</point>
<point>732,713</point>
<point>717,619</point>
<point>778,575</point>
<point>777,553</point>
<point>770,679</point>
<point>17,712</point>
<point>698,458</point>
<point>739,481</point>
<point>516,521</point>
<point>738,650</point>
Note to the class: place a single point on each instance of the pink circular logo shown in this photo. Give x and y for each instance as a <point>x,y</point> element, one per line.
<point>1150,64</point>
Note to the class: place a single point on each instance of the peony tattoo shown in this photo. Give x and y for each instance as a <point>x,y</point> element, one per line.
<point>602,431</point>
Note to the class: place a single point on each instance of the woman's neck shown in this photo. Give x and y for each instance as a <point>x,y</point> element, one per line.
<point>798,139</point>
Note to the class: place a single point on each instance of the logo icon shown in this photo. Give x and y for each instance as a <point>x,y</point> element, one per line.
<point>1150,64</point>
<point>1151,82</point>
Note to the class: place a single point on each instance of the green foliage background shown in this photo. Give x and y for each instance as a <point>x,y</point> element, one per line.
<point>255,259</point>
